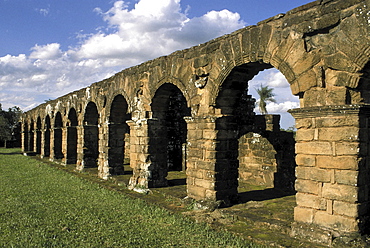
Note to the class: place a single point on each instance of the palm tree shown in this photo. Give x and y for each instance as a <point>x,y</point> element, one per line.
<point>266,95</point>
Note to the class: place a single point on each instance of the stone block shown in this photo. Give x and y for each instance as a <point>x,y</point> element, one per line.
<point>198,193</point>
<point>305,134</point>
<point>310,201</point>
<point>337,222</point>
<point>194,153</point>
<point>315,174</point>
<point>340,192</point>
<point>307,186</point>
<point>194,173</point>
<point>347,148</point>
<point>304,215</point>
<point>211,154</point>
<point>337,121</point>
<point>346,208</point>
<point>205,165</point>
<point>338,162</point>
<point>210,194</point>
<point>339,133</point>
<point>311,232</point>
<point>312,97</point>
<point>207,184</point>
<point>144,140</point>
<point>209,134</point>
<point>306,160</point>
<point>315,147</point>
<point>348,177</point>
<point>304,123</point>
<point>195,134</point>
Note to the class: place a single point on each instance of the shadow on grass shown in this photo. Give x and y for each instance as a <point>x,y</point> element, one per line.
<point>11,153</point>
<point>177,182</point>
<point>262,195</point>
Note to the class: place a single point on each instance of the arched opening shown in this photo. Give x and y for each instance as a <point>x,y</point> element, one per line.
<point>25,137</point>
<point>168,131</point>
<point>252,152</point>
<point>72,137</point>
<point>118,135</point>
<point>38,136</point>
<point>47,137</point>
<point>58,136</point>
<point>91,136</point>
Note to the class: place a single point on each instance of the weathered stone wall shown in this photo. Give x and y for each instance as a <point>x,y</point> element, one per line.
<point>332,174</point>
<point>267,154</point>
<point>323,50</point>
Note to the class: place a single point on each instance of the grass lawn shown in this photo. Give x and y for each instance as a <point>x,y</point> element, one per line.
<point>41,206</point>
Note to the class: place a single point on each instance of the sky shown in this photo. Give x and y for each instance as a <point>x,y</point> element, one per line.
<point>49,48</point>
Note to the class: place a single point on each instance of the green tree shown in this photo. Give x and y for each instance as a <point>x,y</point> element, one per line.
<point>266,95</point>
<point>8,122</point>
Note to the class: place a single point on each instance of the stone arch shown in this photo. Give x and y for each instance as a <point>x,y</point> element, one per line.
<point>112,96</point>
<point>235,121</point>
<point>91,135</point>
<point>71,155</point>
<point>167,132</point>
<point>118,134</point>
<point>174,81</point>
<point>47,128</point>
<point>362,87</point>
<point>38,135</point>
<point>58,136</point>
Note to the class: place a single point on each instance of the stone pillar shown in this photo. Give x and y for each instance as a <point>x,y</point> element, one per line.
<point>64,144</point>
<point>147,173</point>
<point>25,137</point>
<point>80,147</point>
<point>212,166</point>
<point>332,168</point>
<point>51,158</point>
<point>42,152</point>
<point>103,164</point>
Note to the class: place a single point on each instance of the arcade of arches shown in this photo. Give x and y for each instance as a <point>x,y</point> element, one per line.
<point>191,111</point>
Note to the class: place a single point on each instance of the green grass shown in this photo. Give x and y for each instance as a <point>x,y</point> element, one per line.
<point>41,206</point>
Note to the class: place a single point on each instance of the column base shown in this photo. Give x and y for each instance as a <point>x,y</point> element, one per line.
<point>316,234</point>
<point>311,233</point>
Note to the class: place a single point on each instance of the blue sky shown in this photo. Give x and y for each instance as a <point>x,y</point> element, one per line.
<point>51,47</point>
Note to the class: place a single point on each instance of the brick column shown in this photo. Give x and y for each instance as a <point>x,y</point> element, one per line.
<point>80,147</point>
<point>103,164</point>
<point>332,165</point>
<point>212,166</point>
<point>64,144</point>
<point>25,137</point>
<point>147,171</point>
<point>42,152</point>
<point>51,157</point>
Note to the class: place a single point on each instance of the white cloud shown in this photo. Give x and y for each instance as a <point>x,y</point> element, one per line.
<point>281,107</point>
<point>277,80</point>
<point>151,29</point>
<point>47,52</point>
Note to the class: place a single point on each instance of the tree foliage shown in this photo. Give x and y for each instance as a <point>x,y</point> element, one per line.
<point>8,122</point>
<point>266,95</point>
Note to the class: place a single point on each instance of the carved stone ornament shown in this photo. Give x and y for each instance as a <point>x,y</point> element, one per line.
<point>200,81</point>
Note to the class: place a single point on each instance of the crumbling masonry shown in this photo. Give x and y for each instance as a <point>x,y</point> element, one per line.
<point>198,97</point>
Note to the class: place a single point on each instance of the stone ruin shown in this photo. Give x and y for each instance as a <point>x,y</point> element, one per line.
<point>198,97</point>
